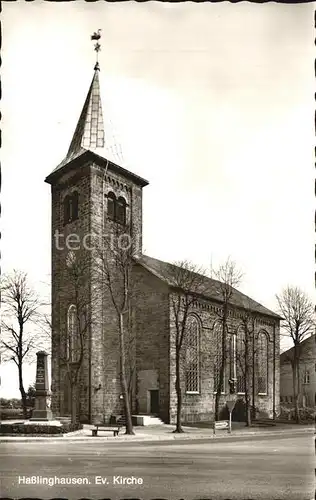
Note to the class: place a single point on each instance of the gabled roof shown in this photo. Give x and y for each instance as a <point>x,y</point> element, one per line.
<point>288,354</point>
<point>211,288</point>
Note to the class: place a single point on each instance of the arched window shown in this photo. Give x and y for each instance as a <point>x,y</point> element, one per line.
<point>231,341</point>
<point>240,360</point>
<point>71,203</point>
<point>67,209</point>
<point>111,206</point>
<point>218,356</point>
<point>192,355</point>
<point>72,334</point>
<point>121,210</point>
<point>262,363</point>
<point>306,378</point>
<point>75,203</point>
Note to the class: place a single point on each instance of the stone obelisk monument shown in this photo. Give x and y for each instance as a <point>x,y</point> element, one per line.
<point>41,411</point>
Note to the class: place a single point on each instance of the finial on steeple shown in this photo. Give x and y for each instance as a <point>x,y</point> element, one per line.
<point>97,47</point>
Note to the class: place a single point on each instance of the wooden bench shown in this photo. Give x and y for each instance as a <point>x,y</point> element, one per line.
<point>221,425</point>
<point>107,427</point>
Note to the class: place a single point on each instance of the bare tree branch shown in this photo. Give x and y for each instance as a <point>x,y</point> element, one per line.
<point>21,311</point>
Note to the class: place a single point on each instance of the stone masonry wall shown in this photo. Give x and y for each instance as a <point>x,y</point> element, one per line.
<point>151,324</point>
<point>99,379</point>
<point>63,293</point>
<point>105,358</point>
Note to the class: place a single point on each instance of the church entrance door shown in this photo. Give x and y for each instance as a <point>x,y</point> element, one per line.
<point>154,402</point>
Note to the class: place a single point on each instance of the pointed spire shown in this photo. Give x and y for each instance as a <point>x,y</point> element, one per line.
<point>92,133</point>
<point>89,133</point>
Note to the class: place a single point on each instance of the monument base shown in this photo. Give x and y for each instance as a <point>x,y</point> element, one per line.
<point>53,423</point>
<point>39,415</point>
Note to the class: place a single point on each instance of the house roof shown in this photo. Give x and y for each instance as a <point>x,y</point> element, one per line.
<point>287,355</point>
<point>211,287</point>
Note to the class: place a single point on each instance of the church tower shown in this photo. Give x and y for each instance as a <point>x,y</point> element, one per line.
<point>91,194</point>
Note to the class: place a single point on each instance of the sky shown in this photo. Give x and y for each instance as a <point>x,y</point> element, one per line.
<point>212,103</point>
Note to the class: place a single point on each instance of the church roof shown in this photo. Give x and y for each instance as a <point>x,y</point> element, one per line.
<point>211,288</point>
<point>89,133</point>
<point>94,137</point>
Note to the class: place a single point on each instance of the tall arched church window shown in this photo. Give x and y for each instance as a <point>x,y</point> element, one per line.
<point>111,206</point>
<point>232,356</point>
<point>72,334</point>
<point>240,360</point>
<point>262,363</point>
<point>121,210</point>
<point>192,355</point>
<point>218,356</point>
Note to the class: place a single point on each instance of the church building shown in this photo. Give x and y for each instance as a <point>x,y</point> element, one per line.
<point>92,191</point>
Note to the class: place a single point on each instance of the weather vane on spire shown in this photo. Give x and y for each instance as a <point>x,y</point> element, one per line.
<point>97,47</point>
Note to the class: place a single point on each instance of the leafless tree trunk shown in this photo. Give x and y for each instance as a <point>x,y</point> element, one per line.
<point>298,322</point>
<point>228,277</point>
<point>21,312</point>
<point>246,358</point>
<point>113,265</point>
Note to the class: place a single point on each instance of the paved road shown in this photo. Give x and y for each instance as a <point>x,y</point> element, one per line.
<point>262,468</point>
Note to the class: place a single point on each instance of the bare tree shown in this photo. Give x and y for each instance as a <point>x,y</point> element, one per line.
<point>113,268</point>
<point>298,322</point>
<point>188,283</point>
<point>229,277</point>
<point>245,358</point>
<point>21,317</point>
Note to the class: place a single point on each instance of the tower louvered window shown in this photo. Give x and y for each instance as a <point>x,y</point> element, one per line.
<point>111,206</point>
<point>116,208</point>
<point>121,210</point>
<point>192,356</point>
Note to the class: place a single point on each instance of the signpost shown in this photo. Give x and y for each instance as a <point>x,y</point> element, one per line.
<point>230,405</point>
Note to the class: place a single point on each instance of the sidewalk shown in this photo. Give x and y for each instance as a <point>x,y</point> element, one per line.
<point>164,433</point>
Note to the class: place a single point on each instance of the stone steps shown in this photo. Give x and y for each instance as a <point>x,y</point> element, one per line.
<point>144,420</point>
<point>263,421</point>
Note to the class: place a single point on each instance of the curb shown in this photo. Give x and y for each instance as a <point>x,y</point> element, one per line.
<point>148,438</point>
